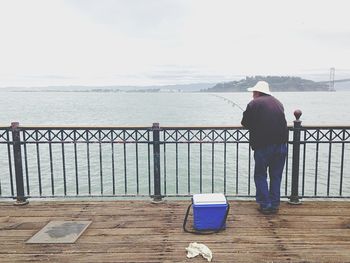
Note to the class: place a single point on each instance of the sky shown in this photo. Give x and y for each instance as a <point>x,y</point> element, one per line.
<point>162,42</point>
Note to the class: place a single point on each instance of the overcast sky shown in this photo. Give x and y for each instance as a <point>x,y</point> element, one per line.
<point>146,42</point>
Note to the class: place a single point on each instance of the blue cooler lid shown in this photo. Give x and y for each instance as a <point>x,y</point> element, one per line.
<point>204,199</point>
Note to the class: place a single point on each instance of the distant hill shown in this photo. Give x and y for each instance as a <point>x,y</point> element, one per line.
<point>277,83</point>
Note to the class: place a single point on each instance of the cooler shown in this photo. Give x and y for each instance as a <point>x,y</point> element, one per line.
<point>209,211</point>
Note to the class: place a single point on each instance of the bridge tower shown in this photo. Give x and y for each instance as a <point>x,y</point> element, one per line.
<point>331,79</point>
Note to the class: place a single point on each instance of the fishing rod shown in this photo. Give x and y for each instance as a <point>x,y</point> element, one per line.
<point>229,101</point>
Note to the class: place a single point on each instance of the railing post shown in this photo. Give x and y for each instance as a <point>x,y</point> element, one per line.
<point>157,197</point>
<point>294,198</point>
<point>17,155</point>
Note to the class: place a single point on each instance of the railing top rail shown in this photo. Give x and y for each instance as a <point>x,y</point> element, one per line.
<point>201,127</point>
<point>198,127</point>
<point>68,127</point>
<point>241,127</point>
<point>326,126</point>
<point>71,127</point>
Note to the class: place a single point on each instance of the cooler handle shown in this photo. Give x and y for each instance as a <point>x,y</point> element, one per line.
<point>204,232</point>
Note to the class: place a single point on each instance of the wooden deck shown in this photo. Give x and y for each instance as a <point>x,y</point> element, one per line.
<point>139,231</point>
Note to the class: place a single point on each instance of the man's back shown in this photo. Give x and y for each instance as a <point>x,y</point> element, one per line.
<point>265,119</point>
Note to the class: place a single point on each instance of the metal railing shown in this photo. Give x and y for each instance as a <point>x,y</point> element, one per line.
<point>157,162</point>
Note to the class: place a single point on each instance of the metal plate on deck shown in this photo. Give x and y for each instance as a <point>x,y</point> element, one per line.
<point>60,232</point>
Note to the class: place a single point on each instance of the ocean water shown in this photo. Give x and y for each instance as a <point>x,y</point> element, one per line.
<point>168,109</point>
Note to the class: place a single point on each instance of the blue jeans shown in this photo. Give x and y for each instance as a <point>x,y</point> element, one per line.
<point>271,157</point>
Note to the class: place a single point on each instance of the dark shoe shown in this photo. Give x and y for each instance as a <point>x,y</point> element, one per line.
<point>274,209</point>
<point>265,210</point>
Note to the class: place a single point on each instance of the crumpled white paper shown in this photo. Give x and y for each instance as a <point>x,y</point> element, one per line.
<point>195,249</point>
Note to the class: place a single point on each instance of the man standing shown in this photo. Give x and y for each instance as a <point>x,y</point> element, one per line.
<point>267,125</point>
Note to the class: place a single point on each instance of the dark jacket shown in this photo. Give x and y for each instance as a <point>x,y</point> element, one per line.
<point>264,117</point>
